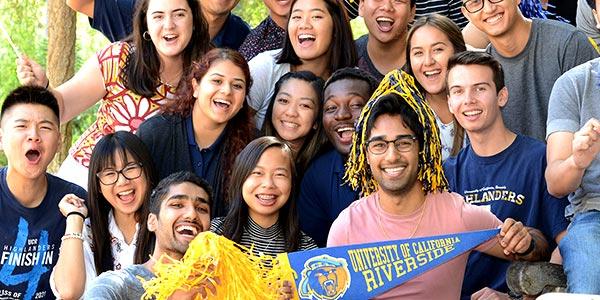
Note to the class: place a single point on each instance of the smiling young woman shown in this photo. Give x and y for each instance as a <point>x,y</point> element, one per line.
<point>294,116</point>
<point>120,181</point>
<point>208,124</point>
<point>262,200</point>
<point>319,40</point>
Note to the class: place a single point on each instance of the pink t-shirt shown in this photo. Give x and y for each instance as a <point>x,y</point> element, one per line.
<point>445,213</point>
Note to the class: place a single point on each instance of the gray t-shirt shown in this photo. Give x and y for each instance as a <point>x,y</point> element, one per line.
<point>119,285</point>
<point>553,48</point>
<point>574,100</point>
<point>586,22</point>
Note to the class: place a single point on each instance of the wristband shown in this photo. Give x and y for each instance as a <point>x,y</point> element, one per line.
<point>529,250</point>
<point>76,213</point>
<point>73,235</point>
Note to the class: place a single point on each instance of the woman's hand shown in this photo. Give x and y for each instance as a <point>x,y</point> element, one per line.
<point>30,72</point>
<point>70,203</point>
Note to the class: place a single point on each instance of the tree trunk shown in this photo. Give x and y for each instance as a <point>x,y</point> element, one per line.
<point>61,61</point>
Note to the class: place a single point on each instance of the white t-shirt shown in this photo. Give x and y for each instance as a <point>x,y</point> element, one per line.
<point>265,73</point>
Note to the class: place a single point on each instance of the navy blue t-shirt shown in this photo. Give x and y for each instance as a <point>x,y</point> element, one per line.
<point>323,195</point>
<point>30,240</point>
<point>204,160</point>
<point>114,18</point>
<point>512,184</point>
<point>232,34</point>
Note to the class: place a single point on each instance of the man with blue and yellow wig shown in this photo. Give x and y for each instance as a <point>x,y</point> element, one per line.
<point>405,191</point>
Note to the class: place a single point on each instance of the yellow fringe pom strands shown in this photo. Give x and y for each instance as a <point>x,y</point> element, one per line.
<point>231,270</point>
<point>431,173</point>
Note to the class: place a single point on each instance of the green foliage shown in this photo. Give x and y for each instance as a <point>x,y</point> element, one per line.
<point>252,11</point>
<point>25,22</point>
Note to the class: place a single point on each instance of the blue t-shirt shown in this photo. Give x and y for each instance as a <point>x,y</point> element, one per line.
<point>511,184</point>
<point>323,195</point>
<point>232,34</point>
<point>30,240</point>
<point>114,18</point>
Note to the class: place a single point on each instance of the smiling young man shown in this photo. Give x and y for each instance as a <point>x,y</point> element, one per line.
<point>396,160</point>
<point>383,49</point>
<point>32,225</point>
<point>179,210</point>
<point>499,170</point>
<point>323,194</point>
<point>533,54</point>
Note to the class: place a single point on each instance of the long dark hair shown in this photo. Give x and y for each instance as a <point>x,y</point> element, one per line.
<point>240,130</point>
<point>342,52</point>
<point>315,139</point>
<point>131,148</point>
<point>142,68</point>
<point>237,218</point>
<point>454,35</point>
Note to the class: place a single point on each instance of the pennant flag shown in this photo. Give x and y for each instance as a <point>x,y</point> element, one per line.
<point>367,270</point>
<point>226,270</point>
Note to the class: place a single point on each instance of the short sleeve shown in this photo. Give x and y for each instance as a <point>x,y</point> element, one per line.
<point>478,218</point>
<point>338,234</point>
<point>578,50</point>
<point>564,106</point>
<point>113,18</point>
<point>112,61</point>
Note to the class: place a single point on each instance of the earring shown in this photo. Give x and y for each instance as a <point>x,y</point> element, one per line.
<point>146,36</point>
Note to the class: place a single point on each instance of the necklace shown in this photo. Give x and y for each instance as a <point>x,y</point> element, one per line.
<point>262,253</point>
<point>380,223</point>
<point>171,83</point>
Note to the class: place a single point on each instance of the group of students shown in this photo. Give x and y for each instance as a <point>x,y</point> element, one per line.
<point>201,110</point>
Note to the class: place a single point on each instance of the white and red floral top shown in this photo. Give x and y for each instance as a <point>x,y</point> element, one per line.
<point>121,108</point>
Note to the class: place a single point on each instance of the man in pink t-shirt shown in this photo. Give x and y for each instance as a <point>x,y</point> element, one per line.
<point>406,191</point>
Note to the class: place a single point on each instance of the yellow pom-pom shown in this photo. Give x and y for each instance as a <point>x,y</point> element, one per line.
<point>214,262</point>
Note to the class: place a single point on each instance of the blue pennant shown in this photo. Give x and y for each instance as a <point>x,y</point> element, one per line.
<point>366,270</point>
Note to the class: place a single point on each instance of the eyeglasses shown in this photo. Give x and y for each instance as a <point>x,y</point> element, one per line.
<point>473,6</point>
<point>111,176</point>
<point>403,143</point>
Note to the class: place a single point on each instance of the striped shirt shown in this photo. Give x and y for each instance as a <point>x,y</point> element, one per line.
<point>351,8</point>
<point>448,8</point>
<point>265,240</point>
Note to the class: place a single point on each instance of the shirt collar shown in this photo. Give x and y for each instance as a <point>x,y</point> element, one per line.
<point>191,139</point>
<point>115,231</point>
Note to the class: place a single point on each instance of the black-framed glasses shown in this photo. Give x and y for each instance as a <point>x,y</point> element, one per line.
<point>473,6</point>
<point>403,143</point>
<point>111,176</point>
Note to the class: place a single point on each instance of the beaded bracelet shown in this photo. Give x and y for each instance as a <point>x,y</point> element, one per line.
<point>73,235</point>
